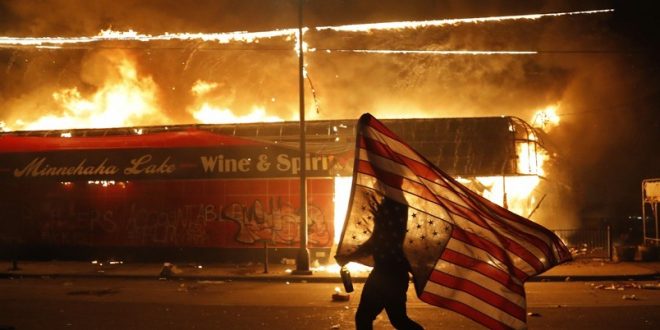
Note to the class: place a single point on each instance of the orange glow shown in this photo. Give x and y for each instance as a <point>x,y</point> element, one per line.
<point>123,99</point>
<point>207,109</point>
<point>518,189</point>
<point>547,118</point>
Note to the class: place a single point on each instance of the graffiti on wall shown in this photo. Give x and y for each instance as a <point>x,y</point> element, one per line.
<point>196,225</point>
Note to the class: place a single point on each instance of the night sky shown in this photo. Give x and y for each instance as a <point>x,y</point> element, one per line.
<point>602,70</point>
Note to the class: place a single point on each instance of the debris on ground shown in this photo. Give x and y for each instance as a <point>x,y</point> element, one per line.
<point>629,297</point>
<point>534,314</point>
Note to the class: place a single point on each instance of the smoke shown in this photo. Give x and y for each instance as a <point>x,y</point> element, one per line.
<point>602,92</point>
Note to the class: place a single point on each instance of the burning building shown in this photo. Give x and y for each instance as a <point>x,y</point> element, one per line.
<point>224,191</point>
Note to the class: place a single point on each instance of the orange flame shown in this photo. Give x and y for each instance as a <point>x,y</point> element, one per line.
<point>124,98</point>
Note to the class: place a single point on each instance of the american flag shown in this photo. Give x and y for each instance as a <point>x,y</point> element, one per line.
<point>467,254</point>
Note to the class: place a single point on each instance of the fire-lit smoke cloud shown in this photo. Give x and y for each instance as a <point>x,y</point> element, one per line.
<point>575,61</point>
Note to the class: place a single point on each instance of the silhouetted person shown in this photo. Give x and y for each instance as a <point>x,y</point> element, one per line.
<point>387,284</point>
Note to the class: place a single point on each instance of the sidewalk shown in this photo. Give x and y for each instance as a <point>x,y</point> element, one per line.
<point>581,270</point>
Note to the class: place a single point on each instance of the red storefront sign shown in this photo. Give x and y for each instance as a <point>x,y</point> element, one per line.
<point>198,189</point>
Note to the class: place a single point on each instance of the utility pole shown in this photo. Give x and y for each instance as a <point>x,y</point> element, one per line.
<point>302,259</point>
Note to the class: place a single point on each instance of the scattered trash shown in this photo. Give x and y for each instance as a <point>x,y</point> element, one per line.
<point>335,326</point>
<point>629,297</point>
<point>338,296</point>
<point>534,314</point>
<point>649,286</point>
<point>168,270</point>
<point>286,261</point>
<point>567,279</point>
<point>617,286</point>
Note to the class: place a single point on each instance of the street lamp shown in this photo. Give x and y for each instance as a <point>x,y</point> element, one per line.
<point>302,259</point>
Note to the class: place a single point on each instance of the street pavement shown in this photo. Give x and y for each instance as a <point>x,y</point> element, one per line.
<point>578,270</point>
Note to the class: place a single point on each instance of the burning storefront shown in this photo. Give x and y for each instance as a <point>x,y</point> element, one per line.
<point>184,193</point>
<point>222,191</point>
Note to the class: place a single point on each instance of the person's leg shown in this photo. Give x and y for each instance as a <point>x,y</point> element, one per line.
<point>371,304</point>
<point>395,305</point>
<point>396,311</point>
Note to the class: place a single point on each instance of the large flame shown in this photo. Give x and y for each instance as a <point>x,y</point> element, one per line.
<point>124,98</point>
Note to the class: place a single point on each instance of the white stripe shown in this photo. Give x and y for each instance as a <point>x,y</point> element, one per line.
<point>474,302</point>
<point>483,255</point>
<point>388,165</point>
<point>481,280</point>
<point>438,211</point>
<point>396,145</point>
<point>448,194</point>
<point>404,197</point>
<point>522,227</point>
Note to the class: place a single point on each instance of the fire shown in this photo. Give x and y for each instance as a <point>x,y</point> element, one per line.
<point>206,108</point>
<point>446,22</point>
<point>547,118</point>
<point>512,192</point>
<point>130,35</point>
<point>208,114</point>
<point>255,37</point>
<point>530,156</point>
<point>124,98</point>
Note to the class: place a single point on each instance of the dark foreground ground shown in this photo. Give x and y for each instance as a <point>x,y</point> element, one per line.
<point>116,303</point>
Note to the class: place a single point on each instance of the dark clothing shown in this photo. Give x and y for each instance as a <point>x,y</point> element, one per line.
<point>387,284</point>
<point>385,289</point>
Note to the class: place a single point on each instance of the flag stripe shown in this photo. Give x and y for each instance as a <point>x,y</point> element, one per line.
<point>485,310</point>
<point>484,235</point>
<point>481,250</point>
<point>486,269</point>
<point>478,292</point>
<point>480,254</point>
<point>464,309</point>
<point>531,257</point>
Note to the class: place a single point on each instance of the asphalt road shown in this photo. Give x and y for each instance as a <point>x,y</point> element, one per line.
<point>152,304</point>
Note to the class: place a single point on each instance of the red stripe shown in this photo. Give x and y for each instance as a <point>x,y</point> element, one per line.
<point>465,310</point>
<point>488,246</point>
<point>509,244</point>
<point>482,206</point>
<point>478,291</point>
<point>422,170</point>
<point>502,215</point>
<point>483,268</point>
<point>369,120</point>
<point>411,187</point>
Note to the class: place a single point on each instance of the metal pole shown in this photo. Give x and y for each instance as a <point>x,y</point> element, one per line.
<point>643,213</point>
<point>609,243</point>
<point>302,260</point>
